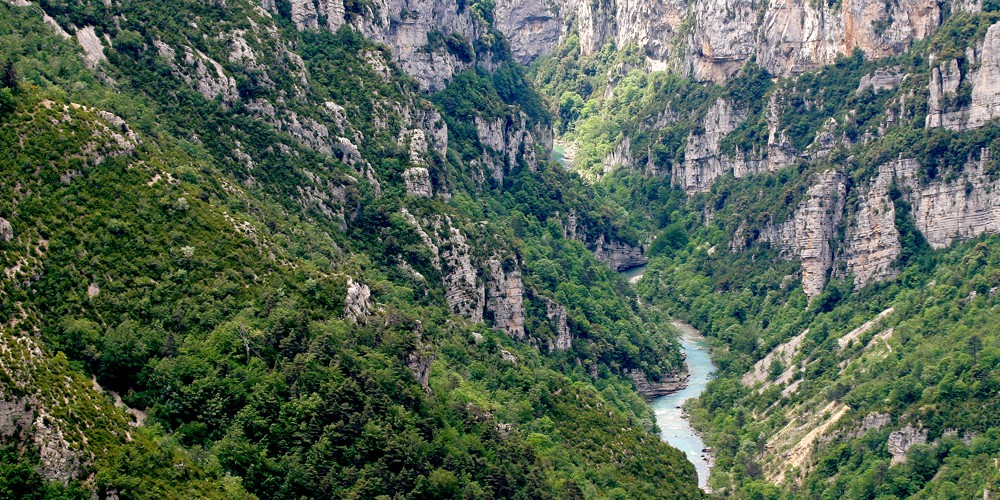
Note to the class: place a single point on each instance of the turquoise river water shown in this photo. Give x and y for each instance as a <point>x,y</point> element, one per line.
<point>675,428</point>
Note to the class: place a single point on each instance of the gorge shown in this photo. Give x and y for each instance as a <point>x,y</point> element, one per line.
<point>383,248</point>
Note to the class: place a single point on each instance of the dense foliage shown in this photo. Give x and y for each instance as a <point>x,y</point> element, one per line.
<point>175,257</point>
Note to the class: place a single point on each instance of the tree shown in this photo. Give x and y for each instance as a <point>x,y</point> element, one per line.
<point>8,77</point>
<point>973,345</point>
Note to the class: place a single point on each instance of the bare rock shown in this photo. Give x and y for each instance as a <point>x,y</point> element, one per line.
<point>649,390</point>
<point>420,361</point>
<point>505,296</point>
<point>418,182</point>
<point>357,303</point>
<point>807,235</point>
<point>703,162</point>
<point>93,49</point>
<point>508,356</point>
<point>618,255</point>
<point>557,316</point>
<point>900,441</point>
<point>6,230</point>
<point>871,247</point>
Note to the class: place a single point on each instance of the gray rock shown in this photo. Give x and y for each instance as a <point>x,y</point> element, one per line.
<point>6,230</point>
<point>357,303</point>
<point>505,296</point>
<point>418,182</point>
<point>900,441</point>
<point>808,233</point>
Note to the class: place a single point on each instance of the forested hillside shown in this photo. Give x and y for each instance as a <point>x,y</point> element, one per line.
<point>319,248</point>
<point>251,252</point>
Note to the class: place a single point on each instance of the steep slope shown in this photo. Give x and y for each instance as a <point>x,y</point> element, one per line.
<point>831,228</point>
<point>299,274</point>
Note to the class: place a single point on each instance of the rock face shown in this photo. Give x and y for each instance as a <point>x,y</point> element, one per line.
<point>505,296</point>
<point>650,390</point>
<point>871,246</point>
<point>900,441</point>
<point>418,182</point>
<point>949,211</point>
<point>406,27</point>
<point>712,40</point>
<point>957,206</point>
<point>533,27</point>
<point>203,73</point>
<point>703,163</point>
<point>557,316</point>
<point>506,140</point>
<point>92,47</point>
<point>6,230</point>
<point>496,294</point>
<point>618,255</point>
<point>35,391</point>
<point>947,76</point>
<point>420,360</point>
<point>357,304</point>
<point>807,235</point>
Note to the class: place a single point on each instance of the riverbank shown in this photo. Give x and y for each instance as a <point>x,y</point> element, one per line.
<point>675,428</point>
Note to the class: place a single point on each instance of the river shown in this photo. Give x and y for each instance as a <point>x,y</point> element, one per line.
<point>675,428</point>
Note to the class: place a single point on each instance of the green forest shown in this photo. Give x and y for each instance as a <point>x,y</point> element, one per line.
<point>243,259</point>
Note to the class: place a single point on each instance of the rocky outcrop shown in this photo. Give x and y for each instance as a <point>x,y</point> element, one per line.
<point>202,73</point>
<point>93,49</point>
<point>946,211</point>
<point>506,141</point>
<point>807,235</point>
<point>412,29</point>
<point>782,354</point>
<point>37,393</point>
<point>618,255</point>
<point>452,255</point>
<point>703,162</point>
<point>953,206</point>
<point>947,77</point>
<point>6,230</point>
<point>419,362</point>
<point>713,40</point>
<point>871,244</point>
<point>557,316</point>
<point>986,84</point>
<point>534,28</point>
<point>900,441</point>
<point>881,79</point>
<point>418,182</point>
<point>357,303</point>
<point>669,384</point>
<point>505,296</point>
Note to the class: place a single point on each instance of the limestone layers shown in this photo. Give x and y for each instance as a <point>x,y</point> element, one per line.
<point>947,77</point>
<point>711,40</point>
<point>807,234</point>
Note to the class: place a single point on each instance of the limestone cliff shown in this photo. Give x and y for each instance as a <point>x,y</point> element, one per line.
<point>712,40</point>
<point>649,389</point>
<point>703,162</point>
<point>946,209</point>
<point>871,245</point>
<point>947,77</point>
<point>618,255</point>
<point>807,234</point>
<point>409,28</point>
<point>505,296</point>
